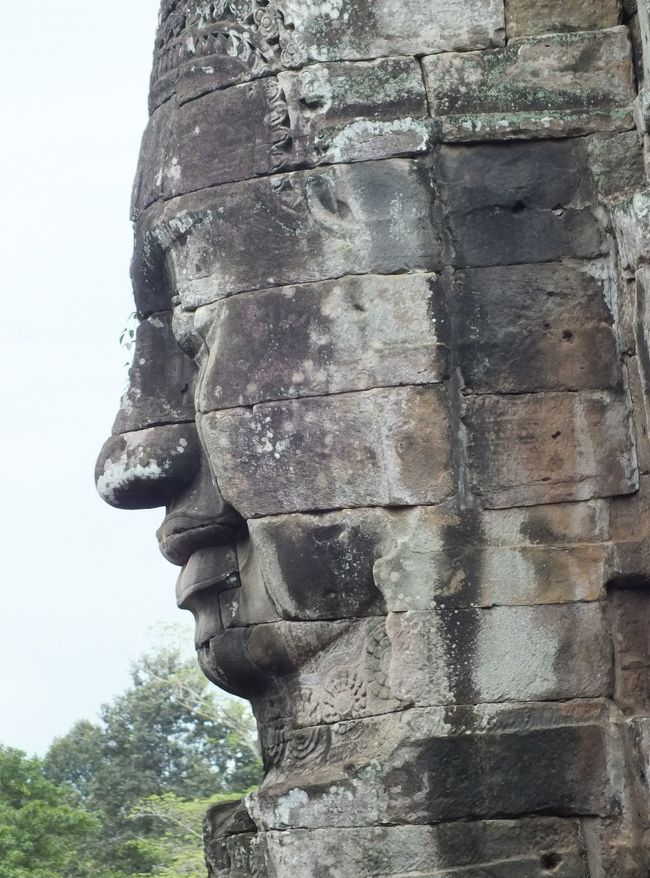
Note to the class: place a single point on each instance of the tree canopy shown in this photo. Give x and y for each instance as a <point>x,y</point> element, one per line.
<point>126,796</point>
<point>41,831</point>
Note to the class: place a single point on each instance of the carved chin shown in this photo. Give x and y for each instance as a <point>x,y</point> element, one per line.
<point>248,661</point>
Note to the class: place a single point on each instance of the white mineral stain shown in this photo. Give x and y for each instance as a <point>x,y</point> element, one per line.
<point>119,474</point>
<point>346,143</point>
<point>174,170</point>
<point>295,798</point>
<point>315,86</point>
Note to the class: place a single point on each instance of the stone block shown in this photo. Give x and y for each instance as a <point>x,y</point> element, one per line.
<point>533,770</point>
<point>349,29</point>
<point>631,221</point>
<point>500,654</point>
<point>555,16</point>
<point>616,164</point>
<point>525,848</point>
<point>429,557</point>
<point>630,516</point>
<point>206,47</point>
<point>326,114</point>
<point>515,237</point>
<point>630,617</point>
<point>230,135</point>
<point>250,603</point>
<point>587,85</point>
<point>433,765</point>
<point>550,447</point>
<point>535,327</point>
<point>639,398</point>
<point>301,227</point>
<point>518,203</point>
<point>426,558</point>
<point>361,111</point>
<point>375,448</point>
<point>355,333</point>
<point>147,468</point>
<point>188,148</point>
<point>161,379</point>
<point>148,183</point>
<point>319,567</point>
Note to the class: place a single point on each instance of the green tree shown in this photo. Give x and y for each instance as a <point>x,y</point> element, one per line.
<point>41,832</point>
<point>170,733</point>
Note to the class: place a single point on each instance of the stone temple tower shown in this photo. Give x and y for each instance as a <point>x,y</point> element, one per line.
<point>392,269</point>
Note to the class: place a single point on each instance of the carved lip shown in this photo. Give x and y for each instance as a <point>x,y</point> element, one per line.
<point>208,568</point>
<point>181,534</point>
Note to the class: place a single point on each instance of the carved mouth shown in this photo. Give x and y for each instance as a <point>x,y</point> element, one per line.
<point>182,534</point>
<point>215,568</point>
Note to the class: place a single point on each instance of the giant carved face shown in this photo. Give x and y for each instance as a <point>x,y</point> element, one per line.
<point>378,380</point>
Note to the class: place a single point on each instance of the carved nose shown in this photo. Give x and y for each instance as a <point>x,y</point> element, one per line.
<point>148,468</point>
<point>154,452</point>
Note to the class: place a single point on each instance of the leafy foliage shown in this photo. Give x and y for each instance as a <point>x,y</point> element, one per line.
<point>41,832</point>
<point>164,750</point>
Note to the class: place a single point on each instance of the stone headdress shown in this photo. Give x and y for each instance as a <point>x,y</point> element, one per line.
<point>206,44</point>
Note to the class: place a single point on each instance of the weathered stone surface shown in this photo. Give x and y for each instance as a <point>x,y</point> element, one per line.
<point>588,85</point>
<point>362,449</point>
<point>552,16</point>
<point>349,29</point>
<point>206,46</point>
<point>639,401</point>
<point>326,114</point>
<point>358,740</point>
<point>630,533</point>
<point>616,164</point>
<point>161,379</point>
<point>147,468</point>
<point>250,603</point>
<point>630,615</point>
<point>500,654</point>
<point>351,112</point>
<point>472,768</point>
<point>201,151</point>
<point>530,771</point>
<point>550,447</point>
<point>507,849</point>
<point>209,571</point>
<point>350,334</point>
<point>320,567</point>
<point>536,327</point>
<point>350,563</point>
<point>300,228</point>
<point>631,220</point>
<point>518,203</point>
<point>418,315</point>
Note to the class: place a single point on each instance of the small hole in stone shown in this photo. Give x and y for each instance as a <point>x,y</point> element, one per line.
<point>550,860</point>
<point>557,434</point>
<point>567,335</point>
<point>518,207</point>
<point>547,326</point>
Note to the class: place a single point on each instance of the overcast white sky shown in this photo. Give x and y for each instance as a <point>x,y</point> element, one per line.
<point>82,583</point>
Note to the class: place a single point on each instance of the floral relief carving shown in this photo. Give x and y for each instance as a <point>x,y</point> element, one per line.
<point>253,31</point>
<point>344,694</point>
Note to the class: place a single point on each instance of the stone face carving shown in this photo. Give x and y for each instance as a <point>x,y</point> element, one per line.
<point>391,384</point>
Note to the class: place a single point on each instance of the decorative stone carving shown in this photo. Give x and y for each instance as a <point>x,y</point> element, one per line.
<point>391,384</point>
